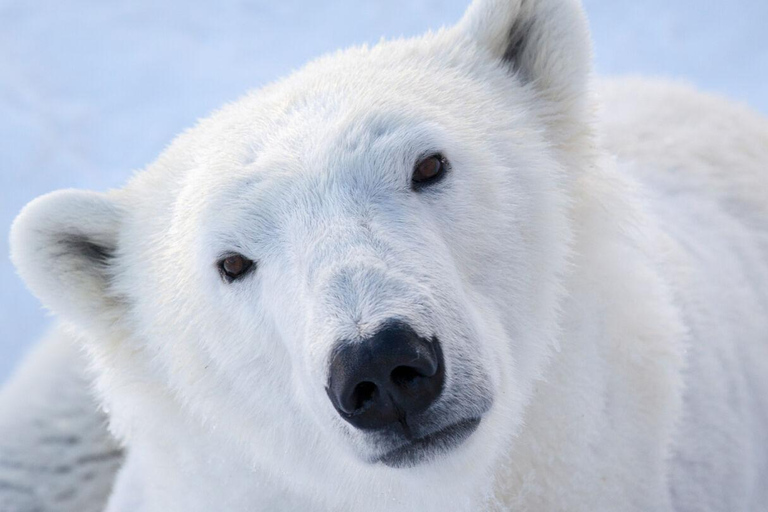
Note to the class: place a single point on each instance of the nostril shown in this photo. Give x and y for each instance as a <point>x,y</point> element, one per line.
<point>363,395</point>
<point>405,376</point>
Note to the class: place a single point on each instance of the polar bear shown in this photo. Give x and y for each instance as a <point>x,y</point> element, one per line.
<point>444,273</point>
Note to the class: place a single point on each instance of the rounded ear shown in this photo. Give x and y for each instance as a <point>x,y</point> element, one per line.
<point>545,43</point>
<point>63,245</point>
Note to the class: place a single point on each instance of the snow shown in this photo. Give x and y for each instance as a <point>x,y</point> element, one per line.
<point>90,91</point>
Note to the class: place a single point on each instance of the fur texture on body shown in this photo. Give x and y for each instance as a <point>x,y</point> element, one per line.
<point>596,277</point>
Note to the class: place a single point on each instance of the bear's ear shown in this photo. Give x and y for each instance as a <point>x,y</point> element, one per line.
<point>545,43</point>
<point>63,245</point>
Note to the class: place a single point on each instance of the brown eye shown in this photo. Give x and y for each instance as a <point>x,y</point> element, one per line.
<point>234,266</point>
<point>428,171</point>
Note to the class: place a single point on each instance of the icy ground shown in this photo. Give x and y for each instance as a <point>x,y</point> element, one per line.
<point>90,91</point>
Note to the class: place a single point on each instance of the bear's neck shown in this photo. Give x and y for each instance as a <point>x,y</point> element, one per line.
<point>615,343</point>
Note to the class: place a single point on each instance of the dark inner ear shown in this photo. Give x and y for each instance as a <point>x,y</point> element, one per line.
<point>518,38</point>
<point>98,254</point>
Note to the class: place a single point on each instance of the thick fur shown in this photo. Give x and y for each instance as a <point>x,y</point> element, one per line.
<point>55,450</point>
<point>599,277</point>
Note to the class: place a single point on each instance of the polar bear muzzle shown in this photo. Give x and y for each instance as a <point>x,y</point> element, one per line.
<point>387,383</point>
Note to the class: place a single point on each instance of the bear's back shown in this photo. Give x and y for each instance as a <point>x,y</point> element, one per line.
<point>702,163</point>
<point>679,139</point>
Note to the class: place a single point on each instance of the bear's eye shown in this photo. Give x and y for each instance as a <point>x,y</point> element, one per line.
<point>429,171</point>
<point>234,267</point>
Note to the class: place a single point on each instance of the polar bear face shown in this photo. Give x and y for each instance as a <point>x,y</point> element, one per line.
<point>353,271</point>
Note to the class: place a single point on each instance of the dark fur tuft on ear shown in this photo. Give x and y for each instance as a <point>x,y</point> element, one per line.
<point>91,252</point>
<point>519,36</point>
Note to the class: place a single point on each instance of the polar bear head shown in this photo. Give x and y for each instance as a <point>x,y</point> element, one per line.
<point>352,274</point>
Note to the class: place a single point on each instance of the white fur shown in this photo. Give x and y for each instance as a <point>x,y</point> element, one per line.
<point>55,450</point>
<point>614,309</point>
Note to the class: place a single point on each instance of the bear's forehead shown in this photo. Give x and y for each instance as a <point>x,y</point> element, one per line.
<point>315,129</point>
<point>339,115</point>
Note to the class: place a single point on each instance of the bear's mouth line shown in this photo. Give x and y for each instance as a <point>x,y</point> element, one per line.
<point>419,449</point>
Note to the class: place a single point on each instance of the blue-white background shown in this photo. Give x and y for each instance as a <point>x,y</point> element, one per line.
<point>93,89</point>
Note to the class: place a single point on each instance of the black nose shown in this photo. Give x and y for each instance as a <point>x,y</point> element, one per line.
<point>385,378</point>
